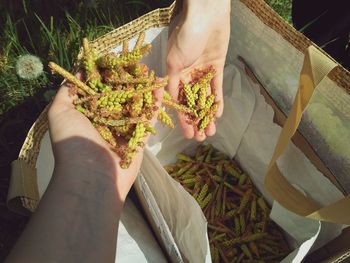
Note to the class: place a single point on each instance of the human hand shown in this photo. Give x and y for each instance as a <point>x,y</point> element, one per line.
<point>86,193</point>
<point>84,148</point>
<point>199,40</point>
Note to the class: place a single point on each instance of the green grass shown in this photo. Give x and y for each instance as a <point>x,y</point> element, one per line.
<point>283,8</point>
<point>53,33</point>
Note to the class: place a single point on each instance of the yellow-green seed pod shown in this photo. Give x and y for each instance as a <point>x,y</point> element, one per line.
<point>101,87</point>
<point>165,118</point>
<point>112,61</point>
<point>167,96</point>
<point>231,213</point>
<point>184,169</point>
<point>232,171</point>
<point>207,78</point>
<point>193,169</point>
<point>218,168</point>
<point>183,157</point>
<point>208,157</point>
<point>125,48</point>
<point>196,189</point>
<point>253,210</point>
<point>204,123</point>
<point>137,135</point>
<point>212,111</point>
<point>246,251</point>
<point>65,74</point>
<point>189,96</point>
<point>202,113</point>
<point>218,237</point>
<point>217,178</point>
<point>137,71</point>
<point>190,181</point>
<point>263,206</point>
<point>237,226</point>
<point>178,107</point>
<point>80,108</point>
<point>269,249</point>
<point>106,134</point>
<point>205,201</point>
<point>203,193</point>
<point>123,129</point>
<point>207,148</point>
<point>148,98</point>
<point>209,102</point>
<point>242,223</point>
<point>139,41</point>
<point>244,200</point>
<point>202,95</point>
<point>151,130</point>
<point>195,89</point>
<point>231,242</point>
<point>253,237</point>
<point>89,57</point>
<point>136,107</point>
<point>242,179</point>
<point>187,176</point>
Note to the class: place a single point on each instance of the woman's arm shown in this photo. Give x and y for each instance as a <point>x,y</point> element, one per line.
<point>77,218</point>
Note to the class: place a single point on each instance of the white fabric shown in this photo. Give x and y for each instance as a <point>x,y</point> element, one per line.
<point>277,64</point>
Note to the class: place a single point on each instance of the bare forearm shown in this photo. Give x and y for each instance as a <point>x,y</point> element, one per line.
<point>77,220</point>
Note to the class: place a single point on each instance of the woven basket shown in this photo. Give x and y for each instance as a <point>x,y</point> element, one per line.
<point>24,197</point>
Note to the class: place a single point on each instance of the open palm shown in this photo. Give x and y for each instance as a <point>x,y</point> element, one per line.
<point>86,146</point>
<point>199,40</point>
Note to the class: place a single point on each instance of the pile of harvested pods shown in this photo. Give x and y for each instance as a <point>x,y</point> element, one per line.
<point>239,227</point>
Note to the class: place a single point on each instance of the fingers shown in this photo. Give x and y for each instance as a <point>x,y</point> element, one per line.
<point>217,88</point>
<point>187,128</point>
<point>211,129</point>
<point>173,84</point>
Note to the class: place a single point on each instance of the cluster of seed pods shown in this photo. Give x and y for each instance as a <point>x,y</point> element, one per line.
<point>194,95</point>
<point>239,227</point>
<point>116,93</point>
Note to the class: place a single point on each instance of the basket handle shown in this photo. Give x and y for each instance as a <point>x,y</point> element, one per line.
<point>315,69</point>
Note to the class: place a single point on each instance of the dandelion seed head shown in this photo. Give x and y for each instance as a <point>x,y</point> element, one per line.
<point>29,67</point>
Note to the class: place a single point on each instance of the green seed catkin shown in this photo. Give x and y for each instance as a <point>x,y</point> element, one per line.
<point>165,118</point>
<point>137,136</point>
<point>81,85</point>
<point>189,96</point>
<point>205,201</point>
<point>203,193</point>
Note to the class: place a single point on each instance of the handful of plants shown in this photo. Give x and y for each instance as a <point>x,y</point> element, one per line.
<point>239,226</point>
<point>116,93</point>
<point>194,95</point>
